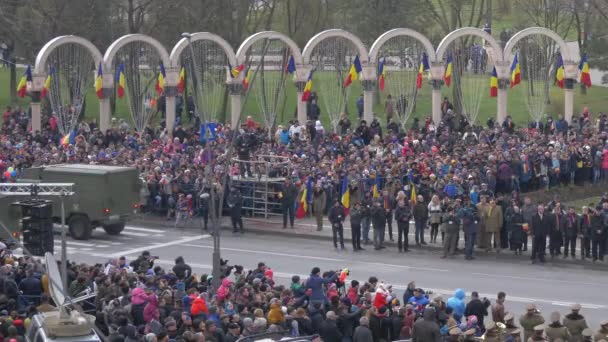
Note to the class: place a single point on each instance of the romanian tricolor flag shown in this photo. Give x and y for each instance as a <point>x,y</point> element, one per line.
<point>235,71</point>
<point>381,74</point>
<point>181,83</point>
<point>424,66</point>
<point>494,83</point>
<point>160,82</point>
<point>99,83</point>
<point>247,79</point>
<point>47,83</point>
<point>560,79</point>
<point>413,196</point>
<point>302,205</point>
<point>376,187</point>
<point>120,81</point>
<point>515,72</point>
<point>307,88</point>
<point>22,86</point>
<point>353,74</point>
<point>584,68</point>
<point>447,75</point>
<point>69,139</point>
<point>345,198</point>
<point>290,67</point>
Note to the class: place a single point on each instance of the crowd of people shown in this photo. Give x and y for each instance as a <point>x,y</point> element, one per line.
<point>139,301</point>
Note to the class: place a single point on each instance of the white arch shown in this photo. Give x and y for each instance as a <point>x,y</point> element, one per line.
<point>108,57</point>
<point>469,31</point>
<point>176,53</point>
<point>319,37</point>
<point>375,49</point>
<point>241,53</point>
<point>45,52</point>
<point>565,51</point>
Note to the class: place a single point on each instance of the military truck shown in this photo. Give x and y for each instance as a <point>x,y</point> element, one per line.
<point>105,196</point>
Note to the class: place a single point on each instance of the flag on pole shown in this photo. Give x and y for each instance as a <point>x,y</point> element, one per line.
<point>376,187</point>
<point>181,84</point>
<point>413,196</point>
<point>515,72</point>
<point>494,83</point>
<point>345,199</point>
<point>290,67</point>
<point>353,74</point>
<point>247,79</point>
<point>381,74</point>
<point>447,75</point>
<point>120,81</point>
<point>559,72</point>
<point>584,68</point>
<point>424,66</point>
<point>302,204</point>
<point>160,82</point>
<point>47,83</point>
<point>99,83</point>
<point>235,71</point>
<point>69,139</point>
<point>22,86</point>
<point>307,88</point>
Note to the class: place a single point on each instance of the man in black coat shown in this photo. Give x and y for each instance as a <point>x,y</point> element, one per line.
<point>329,329</point>
<point>598,234</point>
<point>541,226</point>
<point>378,218</point>
<point>235,203</point>
<point>355,226</point>
<point>402,216</point>
<point>288,202</point>
<point>476,307</point>
<point>336,217</point>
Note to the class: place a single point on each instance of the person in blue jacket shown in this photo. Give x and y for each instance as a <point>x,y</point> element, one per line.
<point>456,302</point>
<point>418,300</point>
<point>314,286</point>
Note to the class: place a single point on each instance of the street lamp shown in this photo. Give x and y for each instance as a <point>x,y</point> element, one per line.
<point>214,213</point>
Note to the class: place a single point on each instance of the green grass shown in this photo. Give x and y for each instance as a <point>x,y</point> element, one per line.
<point>595,99</point>
<point>578,204</point>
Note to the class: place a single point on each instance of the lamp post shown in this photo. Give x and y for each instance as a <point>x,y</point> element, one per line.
<point>214,213</point>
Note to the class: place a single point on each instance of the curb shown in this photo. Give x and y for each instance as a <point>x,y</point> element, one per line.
<point>505,256</point>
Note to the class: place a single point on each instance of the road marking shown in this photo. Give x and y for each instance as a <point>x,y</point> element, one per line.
<point>70,242</point>
<point>403,287</point>
<point>148,230</point>
<point>298,256</point>
<point>155,246</point>
<point>134,234</point>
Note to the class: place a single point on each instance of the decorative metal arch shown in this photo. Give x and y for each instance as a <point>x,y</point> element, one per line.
<point>377,45</point>
<point>47,49</point>
<point>468,31</point>
<point>319,37</point>
<point>176,53</point>
<point>108,57</point>
<point>565,51</point>
<point>242,51</point>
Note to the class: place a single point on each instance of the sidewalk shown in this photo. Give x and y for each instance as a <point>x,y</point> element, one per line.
<point>307,229</point>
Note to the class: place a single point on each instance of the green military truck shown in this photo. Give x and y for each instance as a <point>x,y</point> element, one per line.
<point>104,196</point>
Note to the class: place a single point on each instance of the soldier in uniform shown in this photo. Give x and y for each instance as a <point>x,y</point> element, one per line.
<point>556,329</point>
<point>492,334</point>
<point>235,203</point>
<point>510,323</point>
<point>469,335</point>
<point>538,334</point>
<point>514,335</point>
<point>529,320</point>
<point>586,335</point>
<point>454,334</point>
<point>602,334</point>
<point>575,322</point>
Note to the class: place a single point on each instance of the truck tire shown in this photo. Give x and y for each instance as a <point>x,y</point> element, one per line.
<point>80,227</point>
<point>115,228</point>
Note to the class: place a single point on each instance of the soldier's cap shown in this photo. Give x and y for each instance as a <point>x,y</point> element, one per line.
<point>604,322</point>
<point>509,317</point>
<point>438,299</point>
<point>455,331</point>
<point>469,332</point>
<point>530,307</point>
<point>587,332</point>
<point>490,325</point>
<point>575,307</point>
<point>515,332</point>
<point>555,316</point>
<point>540,327</point>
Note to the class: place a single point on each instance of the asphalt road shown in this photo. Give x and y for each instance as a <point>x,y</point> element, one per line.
<point>552,287</point>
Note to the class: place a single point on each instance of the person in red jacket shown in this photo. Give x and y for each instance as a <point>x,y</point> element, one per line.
<point>199,306</point>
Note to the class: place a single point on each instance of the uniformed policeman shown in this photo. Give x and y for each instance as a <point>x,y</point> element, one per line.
<point>514,335</point>
<point>575,322</point>
<point>454,334</point>
<point>529,320</point>
<point>468,335</point>
<point>556,330</point>
<point>492,334</point>
<point>602,334</point>
<point>587,335</point>
<point>538,334</point>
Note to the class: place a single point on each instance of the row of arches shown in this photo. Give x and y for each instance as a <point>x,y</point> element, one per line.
<point>501,58</point>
